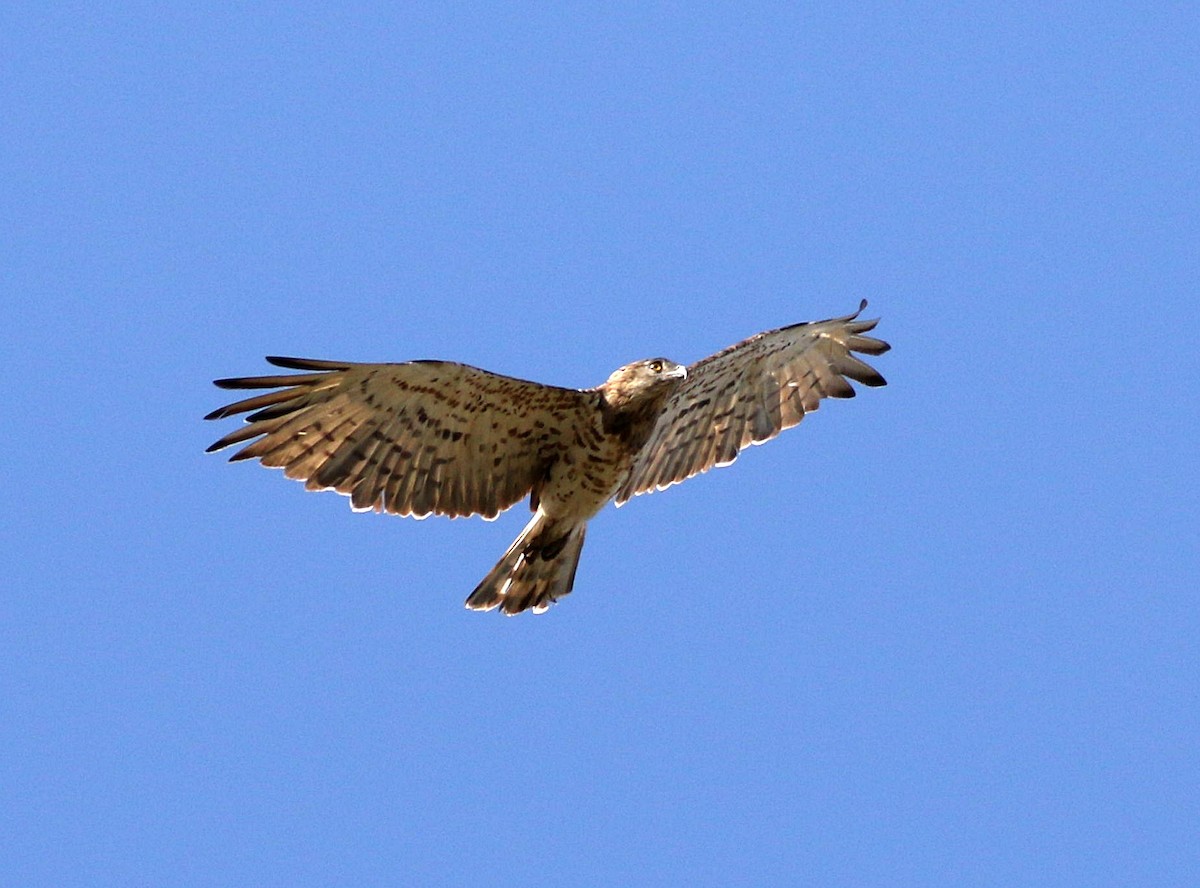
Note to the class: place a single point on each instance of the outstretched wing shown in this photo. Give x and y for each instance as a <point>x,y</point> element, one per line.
<point>748,393</point>
<point>413,439</point>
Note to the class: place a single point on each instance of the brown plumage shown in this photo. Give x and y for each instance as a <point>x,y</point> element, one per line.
<point>433,437</point>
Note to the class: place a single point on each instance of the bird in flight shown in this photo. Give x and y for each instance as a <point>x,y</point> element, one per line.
<point>436,437</point>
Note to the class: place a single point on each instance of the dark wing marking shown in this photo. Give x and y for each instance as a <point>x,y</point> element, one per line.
<point>748,393</point>
<point>414,439</point>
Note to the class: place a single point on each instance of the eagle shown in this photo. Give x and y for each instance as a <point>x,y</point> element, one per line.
<point>437,437</point>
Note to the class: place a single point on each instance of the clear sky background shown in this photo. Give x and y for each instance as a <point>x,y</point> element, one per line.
<point>943,634</point>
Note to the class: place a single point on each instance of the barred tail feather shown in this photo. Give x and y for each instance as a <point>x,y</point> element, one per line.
<point>537,570</point>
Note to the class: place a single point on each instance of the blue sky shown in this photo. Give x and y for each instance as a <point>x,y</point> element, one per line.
<point>944,634</point>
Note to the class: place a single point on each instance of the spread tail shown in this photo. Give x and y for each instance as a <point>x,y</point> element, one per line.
<point>537,570</point>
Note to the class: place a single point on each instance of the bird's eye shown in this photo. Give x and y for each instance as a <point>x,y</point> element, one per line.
<point>656,366</point>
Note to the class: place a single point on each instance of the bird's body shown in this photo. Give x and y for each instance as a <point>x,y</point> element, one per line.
<point>434,437</point>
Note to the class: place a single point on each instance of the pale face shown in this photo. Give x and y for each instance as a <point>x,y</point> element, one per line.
<point>647,375</point>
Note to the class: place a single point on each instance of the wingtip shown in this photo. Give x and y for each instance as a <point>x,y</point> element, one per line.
<point>310,364</point>
<point>216,446</point>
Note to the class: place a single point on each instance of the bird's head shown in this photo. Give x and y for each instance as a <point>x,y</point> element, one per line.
<point>651,380</point>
